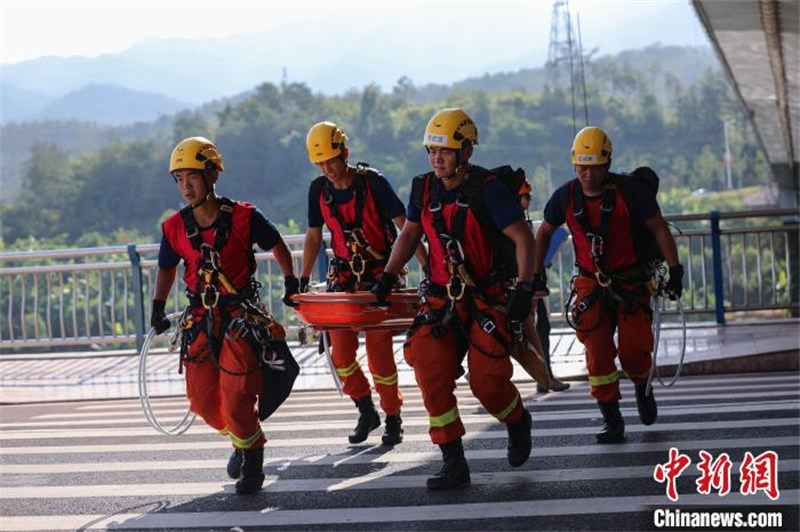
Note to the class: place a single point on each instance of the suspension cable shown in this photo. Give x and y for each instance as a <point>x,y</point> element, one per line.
<point>571,70</point>
<point>583,77</point>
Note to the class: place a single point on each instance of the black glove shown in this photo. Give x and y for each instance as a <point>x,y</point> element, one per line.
<point>291,287</point>
<point>674,287</point>
<point>383,288</point>
<point>539,283</point>
<point>158,317</point>
<point>304,284</point>
<point>520,303</point>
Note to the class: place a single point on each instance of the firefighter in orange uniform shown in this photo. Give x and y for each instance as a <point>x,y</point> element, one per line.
<point>214,236</point>
<point>606,214</point>
<point>469,305</point>
<point>361,210</point>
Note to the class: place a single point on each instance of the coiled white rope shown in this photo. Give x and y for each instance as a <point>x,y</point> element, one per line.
<point>144,398</point>
<point>656,335</point>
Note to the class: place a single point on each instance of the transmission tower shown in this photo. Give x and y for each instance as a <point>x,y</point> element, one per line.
<point>564,67</point>
<point>559,54</point>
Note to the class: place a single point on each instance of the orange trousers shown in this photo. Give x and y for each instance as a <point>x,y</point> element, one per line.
<point>436,360</point>
<point>635,339</point>
<point>227,403</point>
<point>380,358</point>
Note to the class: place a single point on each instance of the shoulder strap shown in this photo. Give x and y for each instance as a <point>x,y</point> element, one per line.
<point>625,185</point>
<point>223,225</point>
<point>224,222</point>
<point>360,191</point>
<point>389,228</point>
<point>191,228</point>
<point>578,212</point>
<point>472,194</point>
<point>563,195</point>
<point>418,191</point>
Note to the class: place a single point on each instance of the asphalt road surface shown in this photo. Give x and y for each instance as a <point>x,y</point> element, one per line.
<point>99,465</point>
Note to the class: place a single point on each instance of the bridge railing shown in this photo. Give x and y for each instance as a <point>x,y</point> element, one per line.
<point>101,295</point>
<point>734,262</point>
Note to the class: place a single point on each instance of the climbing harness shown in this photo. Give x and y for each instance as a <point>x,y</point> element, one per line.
<point>361,252</point>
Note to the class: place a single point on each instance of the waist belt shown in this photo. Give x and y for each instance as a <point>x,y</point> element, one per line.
<point>248,293</point>
<point>440,291</point>
<point>633,275</point>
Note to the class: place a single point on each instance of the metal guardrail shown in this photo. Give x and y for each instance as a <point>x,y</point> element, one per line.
<point>100,298</point>
<point>752,267</point>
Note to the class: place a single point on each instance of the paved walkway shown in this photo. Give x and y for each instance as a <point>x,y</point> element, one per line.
<point>114,374</point>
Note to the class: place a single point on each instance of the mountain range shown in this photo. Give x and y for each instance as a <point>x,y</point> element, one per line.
<point>162,77</point>
<point>81,116</point>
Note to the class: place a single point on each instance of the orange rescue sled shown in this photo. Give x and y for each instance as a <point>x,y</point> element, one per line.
<point>357,310</point>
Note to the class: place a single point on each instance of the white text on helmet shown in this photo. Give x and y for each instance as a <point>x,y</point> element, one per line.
<point>435,139</point>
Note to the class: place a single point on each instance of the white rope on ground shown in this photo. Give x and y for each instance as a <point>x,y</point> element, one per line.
<point>144,398</point>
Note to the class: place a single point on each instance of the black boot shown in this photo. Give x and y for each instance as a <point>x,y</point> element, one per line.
<point>614,429</point>
<point>393,431</point>
<point>368,419</point>
<point>648,410</point>
<point>252,471</point>
<point>519,440</point>
<point>235,463</point>
<point>455,471</point>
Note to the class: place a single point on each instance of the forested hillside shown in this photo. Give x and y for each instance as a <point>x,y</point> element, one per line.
<point>122,191</point>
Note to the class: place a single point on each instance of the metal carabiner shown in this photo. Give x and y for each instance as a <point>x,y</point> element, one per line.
<point>455,250</point>
<point>357,236</point>
<point>236,329</point>
<point>602,279</point>
<point>455,287</point>
<point>596,243</point>
<point>210,256</point>
<point>210,296</point>
<point>357,265</point>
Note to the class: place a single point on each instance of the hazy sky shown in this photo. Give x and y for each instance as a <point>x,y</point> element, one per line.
<point>31,29</point>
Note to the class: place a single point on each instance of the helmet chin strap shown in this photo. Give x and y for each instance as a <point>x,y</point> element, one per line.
<point>208,196</point>
<point>459,166</point>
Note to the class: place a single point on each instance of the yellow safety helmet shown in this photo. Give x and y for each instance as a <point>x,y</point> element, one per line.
<point>591,147</point>
<point>197,153</point>
<point>450,128</point>
<point>325,141</point>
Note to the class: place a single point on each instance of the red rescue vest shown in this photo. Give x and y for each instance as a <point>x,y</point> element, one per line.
<point>477,243</point>
<point>619,251</point>
<point>373,225</point>
<point>236,257</point>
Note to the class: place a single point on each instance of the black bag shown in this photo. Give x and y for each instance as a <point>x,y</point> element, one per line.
<point>645,243</point>
<point>277,384</point>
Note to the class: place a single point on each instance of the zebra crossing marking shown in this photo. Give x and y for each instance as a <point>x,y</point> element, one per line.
<point>271,516</point>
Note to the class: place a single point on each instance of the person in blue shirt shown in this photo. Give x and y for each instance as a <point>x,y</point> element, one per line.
<point>542,316</point>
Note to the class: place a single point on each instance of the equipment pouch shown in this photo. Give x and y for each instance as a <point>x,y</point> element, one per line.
<point>278,379</point>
